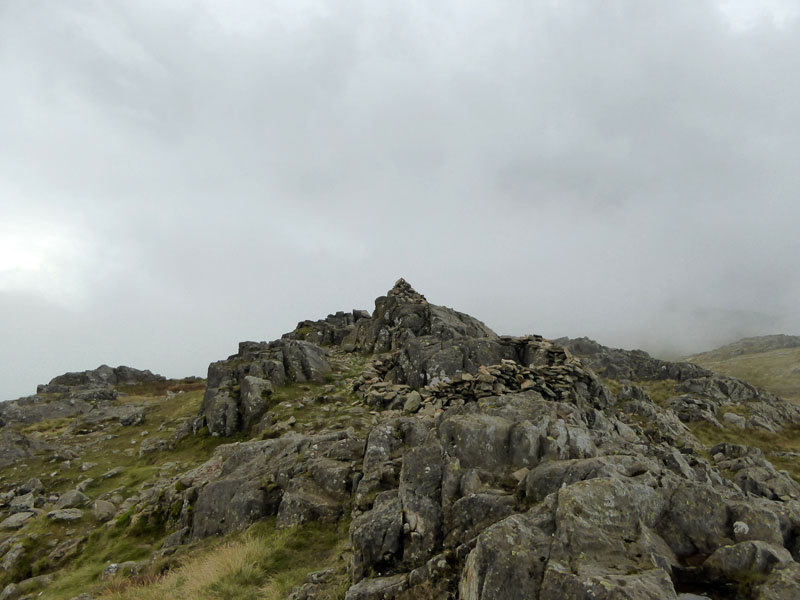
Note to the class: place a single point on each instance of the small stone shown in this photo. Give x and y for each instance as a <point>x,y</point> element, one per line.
<point>24,503</point>
<point>520,474</point>
<point>413,401</point>
<point>16,520</point>
<point>103,510</point>
<point>65,514</point>
<point>72,499</point>
<point>735,420</point>
<point>112,473</point>
<point>33,485</point>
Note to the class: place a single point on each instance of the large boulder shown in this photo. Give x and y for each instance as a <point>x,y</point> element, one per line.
<point>296,478</point>
<point>238,389</point>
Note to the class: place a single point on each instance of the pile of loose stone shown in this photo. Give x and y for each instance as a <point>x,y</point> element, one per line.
<point>554,373</point>
<point>556,382</point>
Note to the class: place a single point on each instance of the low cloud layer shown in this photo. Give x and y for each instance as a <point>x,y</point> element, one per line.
<point>178,176</point>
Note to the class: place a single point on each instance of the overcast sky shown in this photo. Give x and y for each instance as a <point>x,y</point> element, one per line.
<point>177,176</point>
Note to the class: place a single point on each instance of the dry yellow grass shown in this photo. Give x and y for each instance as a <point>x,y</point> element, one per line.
<point>204,576</point>
<point>262,564</point>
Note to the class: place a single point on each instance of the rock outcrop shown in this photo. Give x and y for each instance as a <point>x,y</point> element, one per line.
<point>330,331</point>
<point>99,377</point>
<point>91,394</point>
<point>619,364</point>
<point>238,389</point>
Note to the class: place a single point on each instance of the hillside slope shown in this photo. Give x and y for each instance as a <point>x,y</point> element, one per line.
<point>771,362</point>
<point>411,453</point>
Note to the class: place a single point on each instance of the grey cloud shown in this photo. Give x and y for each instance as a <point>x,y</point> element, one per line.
<point>625,170</point>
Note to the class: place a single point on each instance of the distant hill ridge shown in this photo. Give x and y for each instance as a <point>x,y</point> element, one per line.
<point>771,362</point>
<point>750,345</point>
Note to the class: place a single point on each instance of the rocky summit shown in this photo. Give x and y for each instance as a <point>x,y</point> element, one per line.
<point>407,453</point>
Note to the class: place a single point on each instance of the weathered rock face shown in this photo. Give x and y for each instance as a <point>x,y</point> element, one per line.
<point>89,394</point>
<point>101,376</point>
<point>576,506</point>
<point>297,478</point>
<point>330,331</point>
<point>629,364</point>
<point>238,389</point>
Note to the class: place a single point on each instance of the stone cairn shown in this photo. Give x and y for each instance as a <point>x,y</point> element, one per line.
<point>403,291</point>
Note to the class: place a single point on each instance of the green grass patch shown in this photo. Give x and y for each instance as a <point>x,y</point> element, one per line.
<point>48,427</point>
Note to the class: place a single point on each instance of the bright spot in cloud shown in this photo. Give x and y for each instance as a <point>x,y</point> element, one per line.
<point>44,262</point>
<point>16,254</point>
<point>746,14</point>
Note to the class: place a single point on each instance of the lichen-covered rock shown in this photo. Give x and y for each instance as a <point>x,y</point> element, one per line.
<point>783,583</point>
<point>103,510</point>
<point>495,467</point>
<point>23,503</point>
<point>14,446</point>
<point>229,504</point>
<point>509,559</point>
<point>377,537</point>
<point>304,501</point>
<point>560,584</point>
<point>65,514</point>
<point>745,560</point>
<point>630,365</point>
<point>420,492</point>
<point>13,557</point>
